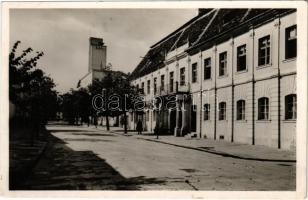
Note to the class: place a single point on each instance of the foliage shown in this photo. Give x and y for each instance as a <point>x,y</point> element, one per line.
<point>75,104</point>
<point>30,90</point>
<point>78,103</point>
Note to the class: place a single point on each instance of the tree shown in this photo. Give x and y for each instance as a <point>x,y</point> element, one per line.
<point>30,90</point>
<point>76,104</point>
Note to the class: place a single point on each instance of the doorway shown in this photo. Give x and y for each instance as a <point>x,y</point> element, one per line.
<point>193,118</point>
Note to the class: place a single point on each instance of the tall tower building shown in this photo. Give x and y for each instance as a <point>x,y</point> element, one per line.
<point>97,68</point>
<point>97,58</point>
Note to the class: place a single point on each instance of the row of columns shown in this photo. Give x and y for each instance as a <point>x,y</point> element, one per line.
<point>183,118</point>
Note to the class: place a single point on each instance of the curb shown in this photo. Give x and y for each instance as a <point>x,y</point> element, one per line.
<point>220,153</point>
<point>224,154</point>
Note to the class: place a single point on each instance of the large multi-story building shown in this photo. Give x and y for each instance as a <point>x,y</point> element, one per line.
<point>232,73</point>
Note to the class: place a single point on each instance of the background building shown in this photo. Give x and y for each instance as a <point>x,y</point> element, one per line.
<point>232,73</point>
<point>97,62</point>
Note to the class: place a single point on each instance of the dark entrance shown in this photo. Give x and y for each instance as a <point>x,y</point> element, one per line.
<point>193,118</point>
<point>172,121</point>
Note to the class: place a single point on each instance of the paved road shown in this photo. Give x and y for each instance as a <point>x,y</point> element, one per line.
<point>88,158</point>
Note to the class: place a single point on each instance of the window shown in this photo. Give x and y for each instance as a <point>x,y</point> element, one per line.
<point>290,43</point>
<point>223,63</point>
<point>155,85</point>
<point>137,87</point>
<point>182,76</point>
<point>264,51</point>
<point>171,77</point>
<point>142,87</point>
<point>194,72</point>
<point>222,111</point>
<point>290,106</point>
<point>263,108</point>
<point>149,86</point>
<point>241,58</point>
<point>207,68</point>
<point>240,105</point>
<point>206,108</point>
<point>162,82</point>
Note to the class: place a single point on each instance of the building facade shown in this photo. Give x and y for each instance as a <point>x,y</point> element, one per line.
<point>230,74</point>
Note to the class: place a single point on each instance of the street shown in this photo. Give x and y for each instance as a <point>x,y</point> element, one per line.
<point>94,159</point>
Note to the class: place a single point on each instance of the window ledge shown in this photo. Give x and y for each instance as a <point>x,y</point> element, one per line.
<point>242,71</point>
<point>208,79</point>
<point>264,66</point>
<point>241,121</point>
<point>223,76</point>
<point>289,60</point>
<point>263,121</point>
<point>289,121</point>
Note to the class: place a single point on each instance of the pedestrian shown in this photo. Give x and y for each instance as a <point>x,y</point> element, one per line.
<point>139,127</point>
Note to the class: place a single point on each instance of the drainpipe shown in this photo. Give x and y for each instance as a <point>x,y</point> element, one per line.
<point>253,86</point>
<point>201,67</point>
<point>232,92</point>
<point>215,94</point>
<point>279,106</point>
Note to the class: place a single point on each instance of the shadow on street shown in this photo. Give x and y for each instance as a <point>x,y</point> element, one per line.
<point>61,168</point>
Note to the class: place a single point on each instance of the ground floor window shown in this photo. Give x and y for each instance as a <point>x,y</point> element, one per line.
<point>290,106</point>
<point>222,110</point>
<point>240,107</point>
<point>206,108</point>
<point>263,108</point>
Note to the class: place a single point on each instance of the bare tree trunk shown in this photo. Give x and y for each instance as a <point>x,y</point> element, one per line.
<point>107,122</point>
<point>125,122</point>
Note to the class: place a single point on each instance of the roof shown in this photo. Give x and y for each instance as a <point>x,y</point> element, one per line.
<point>205,28</point>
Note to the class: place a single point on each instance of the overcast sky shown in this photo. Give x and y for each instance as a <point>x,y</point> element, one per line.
<point>63,35</point>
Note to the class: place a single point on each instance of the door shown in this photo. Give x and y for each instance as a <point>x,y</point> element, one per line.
<point>193,118</point>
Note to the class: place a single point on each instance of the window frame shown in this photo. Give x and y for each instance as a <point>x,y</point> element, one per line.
<point>239,56</point>
<point>240,110</point>
<point>171,83</point>
<point>149,86</point>
<point>293,102</point>
<point>267,50</point>
<point>155,85</point>
<point>194,72</point>
<point>207,69</point>
<point>222,111</point>
<point>264,113</point>
<point>182,76</point>
<point>206,111</point>
<point>162,82</point>
<point>223,63</point>
<point>287,41</point>
<point>142,87</point>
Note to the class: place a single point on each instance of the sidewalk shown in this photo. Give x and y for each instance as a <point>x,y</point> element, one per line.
<point>218,147</point>
<point>23,157</point>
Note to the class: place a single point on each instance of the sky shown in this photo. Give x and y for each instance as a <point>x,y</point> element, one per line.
<point>63,36</point>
